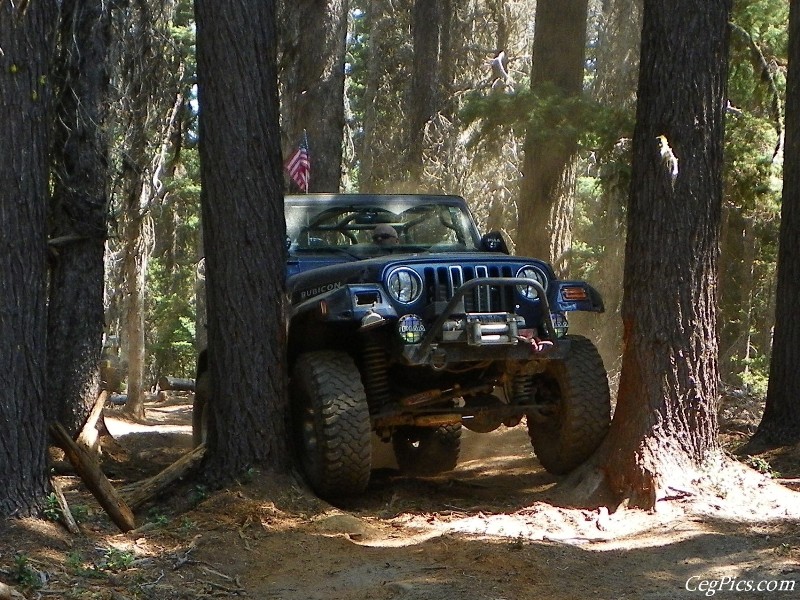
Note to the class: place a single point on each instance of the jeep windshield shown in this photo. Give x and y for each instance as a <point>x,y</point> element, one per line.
<point>358,224</point>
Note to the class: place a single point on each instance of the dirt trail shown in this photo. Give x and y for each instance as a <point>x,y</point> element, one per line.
<point>486,531</point>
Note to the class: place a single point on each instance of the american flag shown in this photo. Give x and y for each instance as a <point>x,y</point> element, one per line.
<point>298,165</point>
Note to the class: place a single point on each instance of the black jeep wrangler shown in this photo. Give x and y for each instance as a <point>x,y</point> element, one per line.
<point>407,323</point>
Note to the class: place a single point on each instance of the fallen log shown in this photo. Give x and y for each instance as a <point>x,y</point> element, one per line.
<point>175,384</point>
<point>88,468</point>
<point>136,494</point>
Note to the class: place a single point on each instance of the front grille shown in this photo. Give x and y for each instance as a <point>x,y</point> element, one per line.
<point>441,282</point>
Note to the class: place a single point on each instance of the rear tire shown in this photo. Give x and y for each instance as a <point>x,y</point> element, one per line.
<point>576,395</point>
<point>425,451</point>
<point>331,424</point>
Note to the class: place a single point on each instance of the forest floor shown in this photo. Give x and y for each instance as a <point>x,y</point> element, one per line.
<point>487,531</point>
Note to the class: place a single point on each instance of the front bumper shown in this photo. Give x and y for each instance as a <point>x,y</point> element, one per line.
<point>457,337</point>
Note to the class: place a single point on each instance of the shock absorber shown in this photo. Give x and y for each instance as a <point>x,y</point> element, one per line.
<point>375,373</point>
<point>521,393</point>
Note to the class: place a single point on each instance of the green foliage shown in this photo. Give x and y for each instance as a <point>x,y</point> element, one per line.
<point>751,176</point>
<point>80,512</point>
<point>547,117</point>
<point>187,525</point>
<point>77,564</point>
<point>172,315</point>
<point>52,509</point>
<point>248,475</point>
<point>172,272</point>
<point>113,560</point>
<point>156,517</point>
<point>116,560</point>
<point>762,466</point>
<point>25,574</point>
<point>198,494</point>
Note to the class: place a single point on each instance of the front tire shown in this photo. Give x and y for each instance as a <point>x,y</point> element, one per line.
<point>577,415</point>
<point>425,451</point>
<point>331,424</point>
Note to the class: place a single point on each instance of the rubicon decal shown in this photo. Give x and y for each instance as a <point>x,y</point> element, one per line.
<point>315,291</point>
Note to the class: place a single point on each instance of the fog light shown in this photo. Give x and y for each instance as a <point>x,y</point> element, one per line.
<point>411,329</point>
<point>560,324</point>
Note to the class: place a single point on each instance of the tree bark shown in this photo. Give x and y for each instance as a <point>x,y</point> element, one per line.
<point>369,176</point>
<point>665,425</point>
<point>780,423</point>
<point>544,227</point>
<point>78,214</point>
<point>147,117</point>
<point>134,275</point>
<point>244,233</point>
<point>314,85</point>
<point>426,25</point>
<point>25,102</point>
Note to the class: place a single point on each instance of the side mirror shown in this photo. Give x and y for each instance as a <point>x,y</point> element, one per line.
<point>494,242</point>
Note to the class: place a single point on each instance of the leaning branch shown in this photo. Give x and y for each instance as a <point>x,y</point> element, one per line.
<point>137,494</point>
<point>88,468</point>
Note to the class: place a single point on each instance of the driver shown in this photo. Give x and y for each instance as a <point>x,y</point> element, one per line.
<point>385,235</point>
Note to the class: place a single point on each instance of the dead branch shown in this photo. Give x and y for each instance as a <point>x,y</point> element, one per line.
<point>88,468</point>
<point>89,435</point>
<point>137,494</point>
<point>66,514</point>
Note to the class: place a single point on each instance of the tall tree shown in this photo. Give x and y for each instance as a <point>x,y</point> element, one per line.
<point>78,213</point>
<point>665,425</point>
<point>546,204</point>
<point>313,74</point>
<point>244,233</point>
<point>426,28</point>
<point>781,420</point>
<point>25,101</point>
<point>147,113</point>
<point>614,86</point>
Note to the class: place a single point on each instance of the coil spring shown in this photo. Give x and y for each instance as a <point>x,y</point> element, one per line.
<point>522,389</point>
<point>375,375</point>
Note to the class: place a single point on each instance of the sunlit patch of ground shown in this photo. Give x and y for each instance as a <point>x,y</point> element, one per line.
<point>485,531</point>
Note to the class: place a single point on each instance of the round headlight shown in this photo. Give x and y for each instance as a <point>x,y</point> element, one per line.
<point>404,285</point>
<point>531,272</point>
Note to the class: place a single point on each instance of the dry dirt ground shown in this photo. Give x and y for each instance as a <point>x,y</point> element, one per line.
<point>487,531</point>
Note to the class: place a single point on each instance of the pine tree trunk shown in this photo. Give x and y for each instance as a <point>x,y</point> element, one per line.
<point>781,421</point>
<point>426,17</point>
<point>134,269</point>
<point>244,233</point>
<point>314,85</point>
<point>665,423</point>
<point>78,215</point>
<point>374,67</point>
<point>544,227</point>
<point>24,93</point>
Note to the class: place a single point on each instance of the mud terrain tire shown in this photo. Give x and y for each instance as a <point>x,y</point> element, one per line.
<point>424,451</point>
<point>331,424</point>
<point>579,415</point>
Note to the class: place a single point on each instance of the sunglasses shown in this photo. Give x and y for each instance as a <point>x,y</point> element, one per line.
<point>383,236</point>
